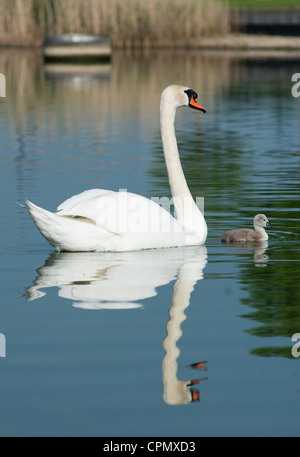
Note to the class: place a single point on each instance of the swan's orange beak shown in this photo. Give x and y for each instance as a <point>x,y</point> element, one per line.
<point>196,381</point>
<point>195,105</point>
<point>199,365</point>
<point>195,395</point>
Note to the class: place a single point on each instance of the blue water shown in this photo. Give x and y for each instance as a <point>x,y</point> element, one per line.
<point>102,344</point>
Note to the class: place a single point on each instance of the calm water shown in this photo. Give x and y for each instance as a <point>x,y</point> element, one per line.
<point>105,344</point>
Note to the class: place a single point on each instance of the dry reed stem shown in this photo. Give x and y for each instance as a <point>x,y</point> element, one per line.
<point>129,23</point>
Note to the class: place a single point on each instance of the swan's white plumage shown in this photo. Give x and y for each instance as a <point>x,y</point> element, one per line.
<point>101,224</point>
<point>104,220</point>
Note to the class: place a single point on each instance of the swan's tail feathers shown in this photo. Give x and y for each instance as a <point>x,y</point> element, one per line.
<point>41,215</point>
<point>48,223</point>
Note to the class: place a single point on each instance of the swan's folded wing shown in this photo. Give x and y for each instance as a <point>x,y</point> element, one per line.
<point>119,212</point>
<point>70,204</point>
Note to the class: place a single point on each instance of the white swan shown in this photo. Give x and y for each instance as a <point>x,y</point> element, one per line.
<point>104,220</point>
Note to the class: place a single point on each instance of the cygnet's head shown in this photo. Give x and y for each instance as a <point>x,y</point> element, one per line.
<point>261,220</point>
<point>181,96</point>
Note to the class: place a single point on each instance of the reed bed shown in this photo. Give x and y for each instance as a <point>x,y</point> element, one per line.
<point>130,23</point>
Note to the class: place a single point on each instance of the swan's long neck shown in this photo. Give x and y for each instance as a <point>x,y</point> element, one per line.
<point>187,212</point>
<point>178,184</point>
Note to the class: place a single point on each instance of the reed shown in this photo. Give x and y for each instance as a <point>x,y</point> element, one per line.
<point>128,22</point>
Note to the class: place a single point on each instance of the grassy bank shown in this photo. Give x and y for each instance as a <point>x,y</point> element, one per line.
<point>129,23</point>
<point>263,3</point>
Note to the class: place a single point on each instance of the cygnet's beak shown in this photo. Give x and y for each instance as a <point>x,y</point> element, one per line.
<point>269,225</point>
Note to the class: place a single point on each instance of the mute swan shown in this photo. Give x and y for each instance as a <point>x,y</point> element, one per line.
<point>104,220</point>
<point>258,234</point>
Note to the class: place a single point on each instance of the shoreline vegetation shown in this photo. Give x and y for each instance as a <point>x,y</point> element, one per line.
<point>203,24</point>
<point>130,23</point>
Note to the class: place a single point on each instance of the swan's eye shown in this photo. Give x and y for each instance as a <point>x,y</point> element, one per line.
<point>191,93</point>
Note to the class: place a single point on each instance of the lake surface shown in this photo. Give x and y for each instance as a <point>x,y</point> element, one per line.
<point>185,342</point>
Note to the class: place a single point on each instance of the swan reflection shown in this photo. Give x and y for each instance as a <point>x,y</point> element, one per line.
<point>260,257</point>
<point>119,281</point>
<point>179,392</point>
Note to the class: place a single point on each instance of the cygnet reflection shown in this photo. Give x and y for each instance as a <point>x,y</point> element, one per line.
<point>260,257</point>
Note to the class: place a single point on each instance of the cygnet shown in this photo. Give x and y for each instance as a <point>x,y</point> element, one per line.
<point>258,234</point>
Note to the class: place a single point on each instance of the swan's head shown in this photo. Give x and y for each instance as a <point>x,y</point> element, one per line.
<point>261,220</point>
<point>180,95</point>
